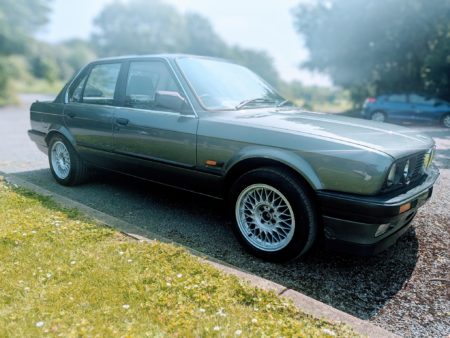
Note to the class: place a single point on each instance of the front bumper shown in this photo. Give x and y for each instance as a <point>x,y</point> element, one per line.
<point>351,221</point>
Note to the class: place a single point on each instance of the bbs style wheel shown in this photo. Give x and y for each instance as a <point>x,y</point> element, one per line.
<point>65,164</point>
<point>274,216</point>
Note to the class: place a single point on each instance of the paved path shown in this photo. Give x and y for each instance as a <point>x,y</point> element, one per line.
<point>400,289</point>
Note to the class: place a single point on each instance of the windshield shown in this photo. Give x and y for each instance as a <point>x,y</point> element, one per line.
<point>222,85</point>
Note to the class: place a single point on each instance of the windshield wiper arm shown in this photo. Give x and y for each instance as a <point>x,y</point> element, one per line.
<point>285,102</point>
<point>255,100</point>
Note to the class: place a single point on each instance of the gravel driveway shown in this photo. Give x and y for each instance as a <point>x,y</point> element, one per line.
<point>404,289</point>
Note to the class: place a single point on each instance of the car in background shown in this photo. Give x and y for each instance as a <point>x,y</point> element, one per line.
<point>407,108</point>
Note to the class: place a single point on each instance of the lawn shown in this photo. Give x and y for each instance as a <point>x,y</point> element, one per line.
<point>61,274</point>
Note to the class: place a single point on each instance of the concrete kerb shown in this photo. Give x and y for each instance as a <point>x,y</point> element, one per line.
<point>304,303</point>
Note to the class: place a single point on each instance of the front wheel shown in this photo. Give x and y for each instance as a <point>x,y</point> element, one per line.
<point>65,164</point>
<point>446,121</point>
<point>274,216</point>
<point>378,116</point>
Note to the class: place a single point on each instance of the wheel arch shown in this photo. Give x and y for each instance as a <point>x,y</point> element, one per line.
<point>293,163</point>
<point>379,110</point>
<point>62,131</point>
<point>443,116</point>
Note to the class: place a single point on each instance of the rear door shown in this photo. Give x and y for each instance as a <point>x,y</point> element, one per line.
<point>147,134</point>
<point>398,108</point>
<point>90,109</point>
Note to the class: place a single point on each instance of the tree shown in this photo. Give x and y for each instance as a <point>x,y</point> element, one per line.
<point>138,27</point>
<point>152,26</point>
<point>258,61</point>
<point>378,46</point>
<point>18,20</point>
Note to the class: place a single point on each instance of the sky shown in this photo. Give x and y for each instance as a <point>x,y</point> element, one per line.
<point>260,24</point>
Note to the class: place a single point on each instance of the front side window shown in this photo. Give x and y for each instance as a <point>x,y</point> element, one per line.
<point>101,84</point>
<point>417,99</point>
<point>147,83</point>
<point>397,98</point>
<point>222,85</point>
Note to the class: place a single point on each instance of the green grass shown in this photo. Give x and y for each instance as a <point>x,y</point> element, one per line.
<point>62,274</point>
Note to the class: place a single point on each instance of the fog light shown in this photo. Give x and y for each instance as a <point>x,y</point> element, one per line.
<point>405,207</point>
<point>382,229</point>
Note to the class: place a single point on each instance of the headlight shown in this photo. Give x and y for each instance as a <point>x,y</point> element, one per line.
<point>391,175</point>
<point>406,172</point>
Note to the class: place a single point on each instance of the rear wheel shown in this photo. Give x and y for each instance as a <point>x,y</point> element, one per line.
<point>446,121</point>
<point>274,216</point>
<point>65,164</point>
<point>378,116</point>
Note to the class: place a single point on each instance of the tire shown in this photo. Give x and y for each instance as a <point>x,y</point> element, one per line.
<point>275,231</point>
<point>378,116</point>
<point>446,120</point>
<point>65,164</point>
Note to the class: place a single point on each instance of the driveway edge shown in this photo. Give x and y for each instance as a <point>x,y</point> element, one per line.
<point>304,303</point>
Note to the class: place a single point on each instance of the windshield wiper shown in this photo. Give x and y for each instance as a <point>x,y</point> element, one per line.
<point>284,103</point>
<point>255,100</point>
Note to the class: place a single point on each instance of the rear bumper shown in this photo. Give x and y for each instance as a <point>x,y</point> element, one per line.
<point>351,222</point>
<point>38,138</point>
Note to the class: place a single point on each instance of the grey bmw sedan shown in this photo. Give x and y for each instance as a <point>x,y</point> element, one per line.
<point>290,177</point>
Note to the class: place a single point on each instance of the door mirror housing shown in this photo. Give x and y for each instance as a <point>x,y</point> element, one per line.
<point>170,100</point>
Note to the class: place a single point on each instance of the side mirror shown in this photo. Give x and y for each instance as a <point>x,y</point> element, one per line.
<point>169,100</point>
<point>438,103</point>
<point>90,91</point>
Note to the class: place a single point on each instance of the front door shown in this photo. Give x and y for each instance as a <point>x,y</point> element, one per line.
<point>399,109</point>
<point>158,139</point>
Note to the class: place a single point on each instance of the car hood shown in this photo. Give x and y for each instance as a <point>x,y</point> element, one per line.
<point>388,138</point>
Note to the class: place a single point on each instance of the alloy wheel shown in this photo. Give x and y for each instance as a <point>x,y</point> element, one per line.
<point>265,217</point>
<point>60,159</point>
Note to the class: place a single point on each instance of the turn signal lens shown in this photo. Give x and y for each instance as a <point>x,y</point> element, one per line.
<point>405,207</point>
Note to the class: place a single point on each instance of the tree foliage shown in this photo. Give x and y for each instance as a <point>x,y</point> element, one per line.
<point>18,20</point>
<point>377,46</point>
<point>152,26</point>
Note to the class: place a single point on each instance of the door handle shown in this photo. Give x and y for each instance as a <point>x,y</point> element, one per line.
<point>122,121</point>
<point>71,115</point>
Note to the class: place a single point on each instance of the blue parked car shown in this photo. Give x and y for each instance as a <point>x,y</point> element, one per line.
<point>407,108</point>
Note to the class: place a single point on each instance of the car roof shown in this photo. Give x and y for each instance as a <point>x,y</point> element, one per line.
<point>158,56</point>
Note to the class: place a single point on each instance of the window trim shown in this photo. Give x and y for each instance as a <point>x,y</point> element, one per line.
<point>405,101</point>
<point>431,99</point>
<point>122,79</point>
<point>75,81</point>
<point>171,72</point>
<point>87,71</point>
<point>115,97</point>
<point>194,93</point>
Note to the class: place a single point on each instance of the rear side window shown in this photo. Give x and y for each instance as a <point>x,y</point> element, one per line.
<point>145,79</point>
<point>76,91</point>
<point>397,98</point>
<point>101,84</point>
